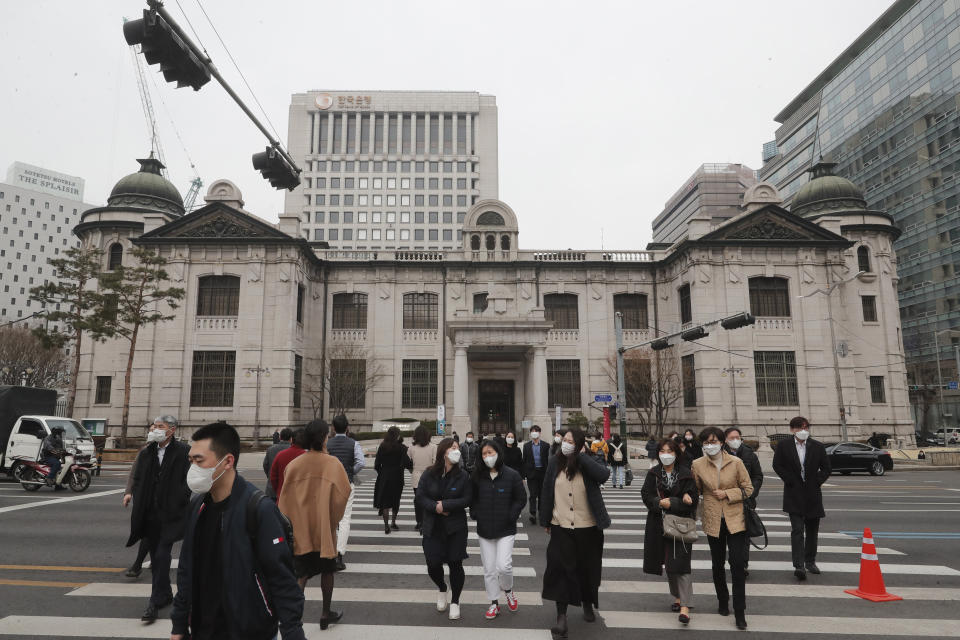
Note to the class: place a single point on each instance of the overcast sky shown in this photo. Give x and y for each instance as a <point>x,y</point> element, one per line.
<point>605,108</point>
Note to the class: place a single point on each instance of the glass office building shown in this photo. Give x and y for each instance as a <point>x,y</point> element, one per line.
<point>886,111</point>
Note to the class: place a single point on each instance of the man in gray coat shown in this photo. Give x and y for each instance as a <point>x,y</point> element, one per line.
<point>286,438</point>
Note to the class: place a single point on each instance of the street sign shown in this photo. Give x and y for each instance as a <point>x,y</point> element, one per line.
<point>603,397</point>
<point>441,412</point>
<point>441,427</point>
<point>953,385</point>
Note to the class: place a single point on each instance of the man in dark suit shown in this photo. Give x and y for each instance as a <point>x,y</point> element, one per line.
<point>160,498</point>
<point>734,445</point>
<point>803,465</point>
<point>536,454</point>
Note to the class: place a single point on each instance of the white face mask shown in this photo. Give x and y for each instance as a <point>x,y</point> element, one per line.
<point>734,444</point>
<point>688,438</point>
<point>533,434</point>
<point>566,448</point>
<point>469,440</point>
<point>453,455</point>
<point>557,439</point>
<point>512,440</point>
<point>712,449</point>
<point>200,480</point>
<point>490,461</point>
<point>157,435</point>
<point>802,435</point>
<point>667,459</point>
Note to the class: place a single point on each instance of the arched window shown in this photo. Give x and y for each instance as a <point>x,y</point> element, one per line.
<point>218,296</point>
<point>349,311</point>
<point>475,242</point>
<point>491,218</point>
<point>561,308</point>
<point>863,259</point>
<point>420,311</point>
<point>491,243</point>
<point>116,256</point>
<point>505,243</point>
<point>769,297</point>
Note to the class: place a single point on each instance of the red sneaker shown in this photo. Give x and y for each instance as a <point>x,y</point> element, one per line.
<point>512,603</point>
<point>492,611</point>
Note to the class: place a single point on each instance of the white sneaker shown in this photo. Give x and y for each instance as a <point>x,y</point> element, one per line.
<point>454,611</point>
<point>442,601</point>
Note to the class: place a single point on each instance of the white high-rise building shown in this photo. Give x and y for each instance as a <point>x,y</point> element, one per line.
<point>389,169</point>
<point>38,210</point>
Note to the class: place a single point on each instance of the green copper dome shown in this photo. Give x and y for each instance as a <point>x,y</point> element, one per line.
<point>827,193</point>
<point>147,189</point>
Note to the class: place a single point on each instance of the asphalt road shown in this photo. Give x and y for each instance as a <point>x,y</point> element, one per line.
<point>62,560</point>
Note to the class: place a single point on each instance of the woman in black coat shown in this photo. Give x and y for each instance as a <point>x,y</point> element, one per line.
<point>691,444</point>
<point>669,488</point>
<point>573,513</point>
<point>498,500</point>
<point>389,464</point>
<point>512,453</point>
<point>444,493</point>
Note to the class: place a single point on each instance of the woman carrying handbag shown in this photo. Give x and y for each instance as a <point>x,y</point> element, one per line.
<point>670,492</point>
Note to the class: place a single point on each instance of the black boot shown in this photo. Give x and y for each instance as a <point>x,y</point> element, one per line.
<point>340,565</point>
<point>741,620</point>
<point>588,614</point>
<point>724,608</point>
<point>559,630</point>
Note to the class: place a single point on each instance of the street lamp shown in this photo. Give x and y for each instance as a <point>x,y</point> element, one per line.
<point>833,346</point>
<point>256,410</point>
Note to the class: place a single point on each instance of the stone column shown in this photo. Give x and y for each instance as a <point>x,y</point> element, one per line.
<point>540,382</point>
<point>461,391</point>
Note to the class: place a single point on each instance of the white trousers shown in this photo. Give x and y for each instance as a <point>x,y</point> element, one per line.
<point>343,529</point>
<point>496,554</point>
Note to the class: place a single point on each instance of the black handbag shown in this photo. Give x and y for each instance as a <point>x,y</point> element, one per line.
<point>754,525</point>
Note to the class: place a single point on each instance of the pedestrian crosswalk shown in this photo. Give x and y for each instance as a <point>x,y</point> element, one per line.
<point>385,590</point>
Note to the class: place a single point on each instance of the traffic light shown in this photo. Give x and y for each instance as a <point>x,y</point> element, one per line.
<point>160,44</point>
<point>275,168</point>
<point>659,345</point>
<point>738,321</point>
<point>694,334</point>
<point>613,412</point>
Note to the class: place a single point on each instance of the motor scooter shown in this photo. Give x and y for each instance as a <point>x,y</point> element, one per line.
<point>32,474</point>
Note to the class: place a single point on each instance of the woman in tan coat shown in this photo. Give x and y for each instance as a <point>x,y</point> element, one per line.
<point>721,479</point>
<point>314,498</point>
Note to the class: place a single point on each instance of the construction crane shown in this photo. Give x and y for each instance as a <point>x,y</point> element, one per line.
<point>189,202</point>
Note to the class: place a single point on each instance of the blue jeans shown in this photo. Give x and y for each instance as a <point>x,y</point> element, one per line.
<point>55,465</point>
<point>619,474</point>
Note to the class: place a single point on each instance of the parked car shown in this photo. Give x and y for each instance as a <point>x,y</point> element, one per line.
<point>948,436</point>
<point>846,457</point>
<point>925,439</point>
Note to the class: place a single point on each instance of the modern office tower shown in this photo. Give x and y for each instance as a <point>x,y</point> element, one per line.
<point>886,111</point>
<point>38,210</point>
<point>390,169</point>
<point>714,191</point>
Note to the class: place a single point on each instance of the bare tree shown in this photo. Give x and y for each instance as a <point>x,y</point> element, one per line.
<point>342,379</point>
<point>25,360</point>
<point>652,384</point>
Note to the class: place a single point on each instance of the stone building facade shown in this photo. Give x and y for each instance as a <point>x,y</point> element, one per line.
<point>501,335</point>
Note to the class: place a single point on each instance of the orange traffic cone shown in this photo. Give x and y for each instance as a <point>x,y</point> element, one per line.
<point>871,579</point>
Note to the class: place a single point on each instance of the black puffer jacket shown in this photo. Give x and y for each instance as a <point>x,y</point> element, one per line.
<point>454,490</point>
<point>752,463</point>
<point>497,503</point>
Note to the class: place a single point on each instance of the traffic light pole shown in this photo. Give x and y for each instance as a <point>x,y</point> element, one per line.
<point>621,383</point>
<point>157,6</point>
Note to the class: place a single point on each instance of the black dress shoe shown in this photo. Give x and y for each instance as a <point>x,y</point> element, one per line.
<point>559,630</point>
<point>813,568</point>
<point>332,618</point>
<point>134,572</point>
<point>533,519</point>
<point>800,574</point>
<point>150,614</point>
<point>675,607</point>
<point>340,564</point>
<point>588,613</point>
<point>393,525</point>
<point>741,621</point>
<point>723,609</point>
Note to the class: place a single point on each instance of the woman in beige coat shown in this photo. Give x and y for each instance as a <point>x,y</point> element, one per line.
<point>314,497</point>
<point>423,454</point>
<point>721,479</point>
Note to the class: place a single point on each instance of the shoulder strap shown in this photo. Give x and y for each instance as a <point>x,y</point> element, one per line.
<point>253,516</point>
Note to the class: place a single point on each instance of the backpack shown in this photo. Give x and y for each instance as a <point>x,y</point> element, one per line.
<point>253,521</point>
<point>617,455</point>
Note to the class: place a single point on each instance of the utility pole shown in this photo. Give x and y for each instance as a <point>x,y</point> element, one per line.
<point>256,407</point>
<point>836,368</point>
<point>733,372</point>
<point>621,383</point>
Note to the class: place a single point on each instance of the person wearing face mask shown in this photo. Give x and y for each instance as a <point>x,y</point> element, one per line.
<point>574,515</point>
<point>469,453</point>
<point>444,493</point>
<point>498,501</point>
<point>512,454</point>
<point>691,445</point>
<point>235,578</point>
<point>557,441</point>
<point>160,497</point>
<point>803,465</point>
<point>734,445</point>
<point>669,489</point>
<point>316,491</point>
<point>536,453</point>
<point>722,480</point>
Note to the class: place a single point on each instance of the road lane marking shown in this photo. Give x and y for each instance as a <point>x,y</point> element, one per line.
<point>55,567</point>
<point>41,583</point>
<point>86,496</point>
<point>782,565</point>
<point>415,548</point>
<point>767,590</point>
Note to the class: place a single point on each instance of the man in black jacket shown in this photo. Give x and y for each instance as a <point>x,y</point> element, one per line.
<point>803,465</point>
<point>256,591</point>
<point>536,455</point>
<point>51,450</point>
<point>286,439</point>
<point>734,445</point>
<point>470,452</point>
<point>160,498</point>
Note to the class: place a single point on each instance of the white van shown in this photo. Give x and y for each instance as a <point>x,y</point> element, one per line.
<point>28,433</point>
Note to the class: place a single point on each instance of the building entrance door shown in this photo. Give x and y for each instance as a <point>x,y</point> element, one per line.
<point>495,406</point>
